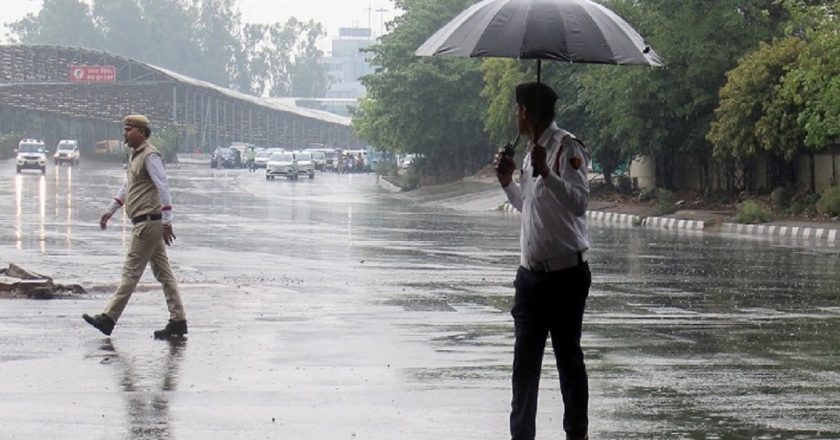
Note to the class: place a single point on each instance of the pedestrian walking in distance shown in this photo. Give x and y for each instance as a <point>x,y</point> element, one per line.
<point>147,202</point>
<point>553,278</point>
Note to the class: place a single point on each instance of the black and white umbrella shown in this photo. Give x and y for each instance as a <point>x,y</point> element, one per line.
<point>578,31</point>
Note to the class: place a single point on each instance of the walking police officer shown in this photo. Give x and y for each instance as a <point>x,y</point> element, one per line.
<point>145,195</point>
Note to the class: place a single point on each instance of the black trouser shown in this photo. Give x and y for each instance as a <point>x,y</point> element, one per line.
<point>549,303</point>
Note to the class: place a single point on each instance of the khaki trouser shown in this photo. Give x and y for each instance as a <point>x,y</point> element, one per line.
<point>147,245</point>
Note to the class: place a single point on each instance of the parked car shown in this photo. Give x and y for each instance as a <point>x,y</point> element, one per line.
<point>67,151</point>
<point>281,164</point>
<point>225,157</point>
<point>305,163</point>
<point>31,155</point>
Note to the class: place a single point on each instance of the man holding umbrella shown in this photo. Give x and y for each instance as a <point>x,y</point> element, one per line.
<point>553,279</point>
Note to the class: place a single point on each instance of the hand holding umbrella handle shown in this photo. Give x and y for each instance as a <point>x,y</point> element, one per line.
<point>509,151</point>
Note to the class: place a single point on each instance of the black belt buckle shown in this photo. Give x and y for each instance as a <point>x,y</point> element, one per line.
<point>145,217</point>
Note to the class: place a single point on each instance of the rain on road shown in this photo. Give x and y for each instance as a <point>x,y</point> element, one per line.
<point>330,309</point>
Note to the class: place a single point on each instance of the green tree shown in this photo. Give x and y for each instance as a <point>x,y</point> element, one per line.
<point>782,99</point>
<point>123,29</point>
<point>753,115</point>
<point>815,83</point>
<point>168,25</point>
<point>220,45</point>
<point>285,60</point>
<point>64,22</point>
<point>428,106</point>
<point>308,75</point>
<point>501,76</point>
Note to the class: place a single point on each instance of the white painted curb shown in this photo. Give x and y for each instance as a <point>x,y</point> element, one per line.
<point>829,235</point>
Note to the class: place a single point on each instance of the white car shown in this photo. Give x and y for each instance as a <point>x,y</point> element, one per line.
<point>67,152</point>
<point>261,161</point>
<point>32,155</point>
<point>281,164</point>
<point>305,163</point>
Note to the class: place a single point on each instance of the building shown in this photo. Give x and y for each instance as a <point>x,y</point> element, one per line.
<point>347,63</point>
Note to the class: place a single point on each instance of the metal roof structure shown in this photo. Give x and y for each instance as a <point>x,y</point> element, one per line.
<point>92,90</point>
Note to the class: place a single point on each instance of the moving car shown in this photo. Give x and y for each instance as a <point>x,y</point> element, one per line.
<point>281,164</point>
<point>319,159</point>
<point>305,163</point>
<point>225,157</point>
<point>261,161</point>
<point>31,155</point>
<point>67,152</point>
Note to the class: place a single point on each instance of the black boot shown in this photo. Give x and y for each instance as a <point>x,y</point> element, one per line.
<point>101,321</point>
<point>173,328</point>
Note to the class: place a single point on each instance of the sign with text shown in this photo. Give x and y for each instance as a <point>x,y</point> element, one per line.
<point>93,74</point>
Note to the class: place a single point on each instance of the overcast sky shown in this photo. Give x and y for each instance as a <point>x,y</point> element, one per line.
<point>333,14</point>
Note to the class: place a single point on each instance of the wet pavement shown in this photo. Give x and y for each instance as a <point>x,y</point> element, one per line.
<point>330,309</point>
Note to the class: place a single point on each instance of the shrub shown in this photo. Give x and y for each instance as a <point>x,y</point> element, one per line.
<point>167,141</point>
<point>665,202</point>
<point>805,204</point>
<point>751,212</point>
<point>411,179</point>
<point>8,143</point>
<point>829,203</point>
<point>647,194</point>
<point>386,168</point>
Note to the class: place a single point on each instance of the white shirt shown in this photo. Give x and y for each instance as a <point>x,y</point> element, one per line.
<point>553,209</point>
<point>154,165</point>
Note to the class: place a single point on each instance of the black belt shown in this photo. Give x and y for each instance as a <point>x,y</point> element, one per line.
<point>146,217</point>
<point>565,262</point>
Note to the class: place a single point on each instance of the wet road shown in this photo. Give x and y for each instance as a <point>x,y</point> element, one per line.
<point>329,309</point>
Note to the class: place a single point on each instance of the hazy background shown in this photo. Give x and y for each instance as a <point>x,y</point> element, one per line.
<point>333,14</point>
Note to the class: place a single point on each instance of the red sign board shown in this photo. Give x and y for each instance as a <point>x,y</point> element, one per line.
<point>93,74</point>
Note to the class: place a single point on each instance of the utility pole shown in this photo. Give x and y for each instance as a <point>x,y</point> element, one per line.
<point>369,10</point>
<point>381,12</point>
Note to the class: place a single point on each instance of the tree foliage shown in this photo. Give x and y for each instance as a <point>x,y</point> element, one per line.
<point>754,115</point>
<point>815,83</point>
<point>65,22</point>
<point>427,106</point>
<point>205,39</point>
<point>285,59</point>
<point>784,97</point>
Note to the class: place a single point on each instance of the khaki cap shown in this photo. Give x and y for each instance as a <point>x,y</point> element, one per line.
<point>139,121</point>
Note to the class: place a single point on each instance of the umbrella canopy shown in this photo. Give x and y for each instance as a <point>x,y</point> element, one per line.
<point>579,31</point>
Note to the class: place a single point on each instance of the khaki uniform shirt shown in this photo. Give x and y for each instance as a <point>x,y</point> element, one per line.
<point>145,190</point>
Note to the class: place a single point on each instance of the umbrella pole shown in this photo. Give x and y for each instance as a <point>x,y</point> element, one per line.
<point>539,70</point>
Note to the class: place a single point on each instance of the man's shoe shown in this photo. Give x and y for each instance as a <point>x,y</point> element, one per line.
<point>102,322</point>
<point>173,328</point>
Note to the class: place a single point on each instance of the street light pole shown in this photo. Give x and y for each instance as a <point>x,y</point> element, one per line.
<point>381,12</point>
